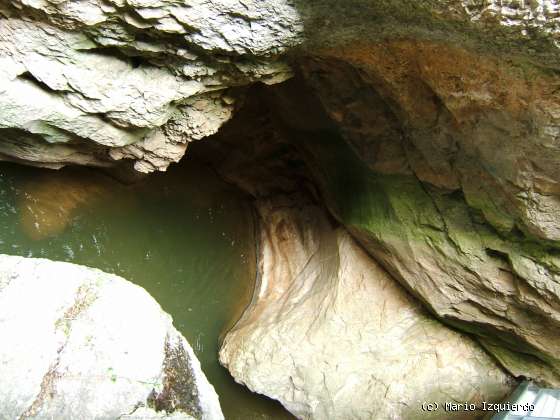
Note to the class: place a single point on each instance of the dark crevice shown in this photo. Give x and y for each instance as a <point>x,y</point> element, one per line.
<point>131,57</point>
<point>38,83</point>
<point>499,255</point>
<point>180,392</point>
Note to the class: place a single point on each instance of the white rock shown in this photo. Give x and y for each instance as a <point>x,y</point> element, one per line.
<point>69,76</point>
<point>81,343</point>
<point>522,14</point>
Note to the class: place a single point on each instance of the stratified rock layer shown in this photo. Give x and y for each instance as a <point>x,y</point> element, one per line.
<point>457,120</point>
<point>332,336</point>
<point>91,82</point>
<point>81,343</point>
<point>460,198</point>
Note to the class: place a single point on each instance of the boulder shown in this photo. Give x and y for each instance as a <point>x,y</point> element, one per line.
<point>81,343</point>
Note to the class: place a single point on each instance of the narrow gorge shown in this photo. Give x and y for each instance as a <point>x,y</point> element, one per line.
<point>348,209</point>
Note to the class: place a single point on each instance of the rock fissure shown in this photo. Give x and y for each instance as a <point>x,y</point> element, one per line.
<point>47,389</point>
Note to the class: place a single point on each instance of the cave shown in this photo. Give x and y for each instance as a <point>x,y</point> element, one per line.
<point>278,209</point>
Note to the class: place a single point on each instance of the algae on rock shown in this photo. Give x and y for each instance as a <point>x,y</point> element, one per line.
<point>504,290</point>
<point>331,335</point>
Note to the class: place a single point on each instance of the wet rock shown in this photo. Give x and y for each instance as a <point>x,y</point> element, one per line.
<point>331,335</point>
<point>81,343</point>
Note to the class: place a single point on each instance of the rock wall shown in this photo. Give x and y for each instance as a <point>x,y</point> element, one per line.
<point>332,336</point>
<point>430,130</point>
<point>503,290</point>
<point>81,343</point>
<point>500,288</point>
<point>511,27</point>
<point>500,285</point>
<point>464,206</point>
<point>462,121</point>
<point>91,82</point>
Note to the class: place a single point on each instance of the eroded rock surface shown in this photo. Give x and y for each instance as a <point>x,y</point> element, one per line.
<point>425,225</point>
<point>451,109</point>
<point>501,288</point>
<point>81,343</point>
<point>90,82</point>
<point>332,336</point>
<point>462,121</point>
<point>463,185</point>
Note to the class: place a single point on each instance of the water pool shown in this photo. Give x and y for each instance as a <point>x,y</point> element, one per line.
<point>185,236</point>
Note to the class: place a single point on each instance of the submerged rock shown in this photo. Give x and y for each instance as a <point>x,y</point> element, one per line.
<point>47,202</point>
<point>332,336</point>
<point>81,343</point>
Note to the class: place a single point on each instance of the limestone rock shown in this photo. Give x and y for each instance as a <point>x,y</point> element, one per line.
<point>458,120</point>
<point>81,343</point>
<point>504,289</point>
<point>332,336</point>
<point>461,197</point>
<point>115,74</point>
<point>461,93</point>
<point>512,27</point>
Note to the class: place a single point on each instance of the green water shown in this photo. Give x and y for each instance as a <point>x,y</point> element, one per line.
<point>185,236</point>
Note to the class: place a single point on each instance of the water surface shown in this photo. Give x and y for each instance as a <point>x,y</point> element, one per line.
<point>185,236</point>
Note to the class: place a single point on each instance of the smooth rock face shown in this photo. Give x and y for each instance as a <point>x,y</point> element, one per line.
<point>81,343</point>
<point>501,288</point>
<point>332,336</point>
<point>135,80</point>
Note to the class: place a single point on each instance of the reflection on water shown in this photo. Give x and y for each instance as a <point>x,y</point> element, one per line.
<point>184,236</point>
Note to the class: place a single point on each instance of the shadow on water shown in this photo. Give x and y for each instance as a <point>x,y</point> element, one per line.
<point>185,236</point>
